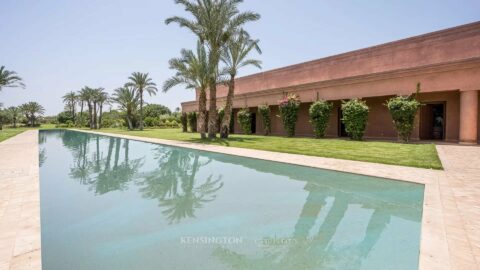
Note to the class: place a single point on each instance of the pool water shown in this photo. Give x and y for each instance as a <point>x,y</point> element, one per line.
<point>111,203</point>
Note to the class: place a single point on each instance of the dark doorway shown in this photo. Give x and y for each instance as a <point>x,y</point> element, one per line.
<point>254,123</point>
<point>341,126</point>
<point>432,121</point>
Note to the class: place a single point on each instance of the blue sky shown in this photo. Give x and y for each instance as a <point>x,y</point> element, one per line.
<point>59,46</point>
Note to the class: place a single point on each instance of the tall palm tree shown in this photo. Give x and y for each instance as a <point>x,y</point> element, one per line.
<point>10,79</point>
<point>127,100</point>
<point>214,23</point>
<point>102,98</point>
<point>70,99</point>
<point>32,110</point>
<point>83,96</point>
<point>87,94</point>
<point>142,83</point>
<point>14,113</point>
<point>192,71</point>
<point>234,56</point>
<point>98,98</point>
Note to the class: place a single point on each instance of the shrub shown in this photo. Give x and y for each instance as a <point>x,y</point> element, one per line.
<point>63,117</point>
<point>264,112</point>
<point>319,114</point>
<point>244,118</point>
<point>192,121</point>
<point>183,120</point>
<point>403,110</point>
<point>221,113</point>
<point>288,107</point>
<point>355,116</point>
<point>151,121</point>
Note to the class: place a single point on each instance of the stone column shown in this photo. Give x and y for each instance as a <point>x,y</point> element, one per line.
<point>468,116</point>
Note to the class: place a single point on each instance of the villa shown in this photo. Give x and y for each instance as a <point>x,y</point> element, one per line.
<point>446,63</point>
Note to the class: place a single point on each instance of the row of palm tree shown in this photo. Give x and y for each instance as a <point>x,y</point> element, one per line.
<point>218,25</point>
<point>30,110</point>
<point>129,98</point>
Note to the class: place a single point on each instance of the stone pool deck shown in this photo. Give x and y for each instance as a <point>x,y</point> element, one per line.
<point>20,203</point>
<point>451,217</point>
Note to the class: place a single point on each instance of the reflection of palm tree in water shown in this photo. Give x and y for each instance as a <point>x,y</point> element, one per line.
<point>314,252</point>
<point>99,173</point>
<point>176,186</point>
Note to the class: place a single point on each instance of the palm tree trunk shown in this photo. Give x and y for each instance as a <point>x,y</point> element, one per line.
<point>14,122</point>
<point>95,126</point>
<point>90,122</point>
<point>212,113</point>
<point>81,114</point>
<point>225,127</point>
<point>202,113</point>
<point>100,116</point>
<point>141,110</point>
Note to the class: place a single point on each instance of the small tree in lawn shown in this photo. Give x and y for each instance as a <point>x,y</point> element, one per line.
<point>319,114</point>
<point>264,111</point>
<point>355,116</point>
<point>403,110</point>
<point>288,107</point>
<point>244,118</point>
<point>183,120</point>
<point>192,121</point>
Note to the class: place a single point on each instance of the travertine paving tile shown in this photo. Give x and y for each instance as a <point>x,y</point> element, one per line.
<point>20,203</point>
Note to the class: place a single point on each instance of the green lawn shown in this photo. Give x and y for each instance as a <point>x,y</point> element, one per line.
<point>9,132</point>
<point>414,155</point>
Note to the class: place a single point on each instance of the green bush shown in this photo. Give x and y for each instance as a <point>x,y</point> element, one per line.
<point>264,112</point>
<point>221,113</point>
<point>192,121</point>
<point>403,110</point>
<point>183,120</point>
<point>151,121</point>
<point>244,118</point>
<point>288,107</point>
<point>63,117</point>
<point>355,116</point>
<point>319,114</point>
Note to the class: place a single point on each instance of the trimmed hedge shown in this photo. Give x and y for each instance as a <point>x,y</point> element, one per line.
<point>184,121</point>
<point>264,112</point>
<point>403,110</point>
<point>244,118</point>
<point>288,107</point>
<point>319,115</point>
<point>355,116</point>
<point>192,121</point>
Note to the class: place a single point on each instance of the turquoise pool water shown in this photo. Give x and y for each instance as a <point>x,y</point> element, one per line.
<point>110,203</point>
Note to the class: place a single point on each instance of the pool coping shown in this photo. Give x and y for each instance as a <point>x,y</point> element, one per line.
<point>444,242</point>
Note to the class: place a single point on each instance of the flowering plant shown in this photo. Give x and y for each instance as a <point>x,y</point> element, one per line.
<point>288,107</point>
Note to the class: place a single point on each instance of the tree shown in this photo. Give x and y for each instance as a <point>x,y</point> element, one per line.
<point>87,95</point>
<point>82,97</point>
<point>234,56</point>
<point>3,118</point>
<point>70,99</point>
<point>155,110</point>
<point>142,83</point>
<point>214,23</point>
<point>355,117</point>
<point>128,101</point>
<point>14,114</point>
<point>101,98</point>
<point>32,110</point>
<point>192,70</point>
<point>10,79</point>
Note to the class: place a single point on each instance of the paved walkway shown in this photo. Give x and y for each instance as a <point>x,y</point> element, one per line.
<point>450,225</point>
<point>19,203</point>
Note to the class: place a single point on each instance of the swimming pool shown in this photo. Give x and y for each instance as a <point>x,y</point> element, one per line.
<point>111,203</point>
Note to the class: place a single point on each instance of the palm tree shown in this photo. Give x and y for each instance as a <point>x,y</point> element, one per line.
<point>32,110</point>
<point>14,113</point>
<point>234,56</point>
<point>127,100</point>
<point>98,97</point>
<point>214,23</point>
<point>70,99</point>
<point>10,79</point>
<point>193,71</point>
<point>142,83</point>
<point>102,98</point>
<point>87,95</point>
<point>83,96</point>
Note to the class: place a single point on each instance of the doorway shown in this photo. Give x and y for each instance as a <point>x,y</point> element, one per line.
<point>432,121</point>
<point>341,126</point>
<point>253,123</point>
